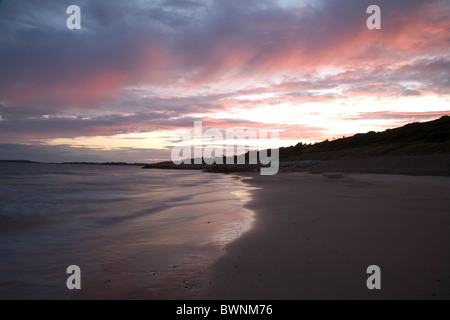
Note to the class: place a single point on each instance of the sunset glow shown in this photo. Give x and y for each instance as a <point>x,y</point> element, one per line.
<point>139,73</point>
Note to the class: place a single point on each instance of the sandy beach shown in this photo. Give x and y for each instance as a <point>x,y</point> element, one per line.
<point>316,234</point>
<point>190,235</point>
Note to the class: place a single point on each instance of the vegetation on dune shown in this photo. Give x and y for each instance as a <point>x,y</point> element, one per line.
<point>412,139</point>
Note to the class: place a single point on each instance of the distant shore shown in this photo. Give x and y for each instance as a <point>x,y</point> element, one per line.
<point>78,163</point>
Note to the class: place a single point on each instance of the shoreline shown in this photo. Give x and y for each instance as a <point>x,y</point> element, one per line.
<point>174,263</point>
<point>308,235</point>
<point>418,165</point>
<point>315,234</point>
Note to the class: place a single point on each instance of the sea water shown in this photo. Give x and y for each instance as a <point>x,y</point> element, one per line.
<point>134,233</point>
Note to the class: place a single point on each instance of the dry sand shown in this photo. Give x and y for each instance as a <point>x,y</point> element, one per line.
<point>316,234</point>
<point>425,165</point>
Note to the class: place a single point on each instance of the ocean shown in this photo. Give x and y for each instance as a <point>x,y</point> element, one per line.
<point>134,233</point>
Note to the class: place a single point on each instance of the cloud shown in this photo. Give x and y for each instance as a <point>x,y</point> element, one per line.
<point>19,123</point>
<point>135,43</point>
<point>66,153</point>
<point>143,66</point>
<point>53,65</point>
<point>403,117</point>
<point>409,92</point>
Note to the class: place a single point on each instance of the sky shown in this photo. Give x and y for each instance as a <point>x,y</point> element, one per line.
<point>136,76</point>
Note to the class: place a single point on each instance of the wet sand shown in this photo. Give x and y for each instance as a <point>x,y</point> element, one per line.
<point>316,234</point>
<point>173,259</point>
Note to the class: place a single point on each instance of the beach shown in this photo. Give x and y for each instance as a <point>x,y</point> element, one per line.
<point>209,150</point>
<point>315,235</point>
<point>171,234</point>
